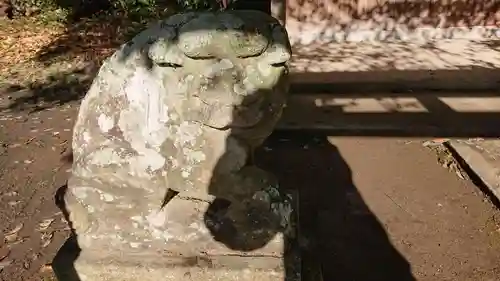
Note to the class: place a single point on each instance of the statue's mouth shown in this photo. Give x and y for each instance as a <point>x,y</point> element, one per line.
<point>224,117</point>
<point>228,127</point>
<point>248,101</point>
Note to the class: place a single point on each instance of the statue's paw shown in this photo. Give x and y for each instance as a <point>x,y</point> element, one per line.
<point>243,184</point>
<point>240,226</point>
<point>254,179</point>
<point>256,212</point>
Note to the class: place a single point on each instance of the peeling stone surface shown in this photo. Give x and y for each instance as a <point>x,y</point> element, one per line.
<point>181,107</point>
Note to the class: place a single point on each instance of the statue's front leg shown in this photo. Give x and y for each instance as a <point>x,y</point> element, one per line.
<point>249,210</point>
<point>169,195</point>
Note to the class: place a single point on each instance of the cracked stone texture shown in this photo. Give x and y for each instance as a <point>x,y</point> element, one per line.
<point>181,107</point>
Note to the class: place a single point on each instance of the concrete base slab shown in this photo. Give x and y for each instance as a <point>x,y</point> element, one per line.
<point>195,253</point>
<point>72,265</point>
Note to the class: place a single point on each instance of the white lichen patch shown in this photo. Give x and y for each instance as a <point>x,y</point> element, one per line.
<point>81,192</point>
<point>193,156</point>
<point>154,224</point>
<point>147,113</point>
<point>147,160</point>
<point>124,205</point>
<point>137,218</point>
<point>174,163</point>
<point>113,238</point>
<point>143,122</point>
<point>135,244</point>
<point>157,219</point>
<point>186,171</point>
<point>105,123</point>
<point>106,197</point>
<point>86,136</point>
<point>199,227</point>
<point>187,133</point>
<point>106,156</point>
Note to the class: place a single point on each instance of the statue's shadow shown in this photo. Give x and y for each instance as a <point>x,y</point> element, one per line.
<point>340,237</point>
<point>241,216</point>
<point>63,263</point>
<point>261,215</point>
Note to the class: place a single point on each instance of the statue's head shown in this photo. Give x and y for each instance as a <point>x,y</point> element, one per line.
<point>231,67</point>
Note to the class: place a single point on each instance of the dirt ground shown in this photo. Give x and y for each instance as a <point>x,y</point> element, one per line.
<point>370,209</point>
<point>384,209</point>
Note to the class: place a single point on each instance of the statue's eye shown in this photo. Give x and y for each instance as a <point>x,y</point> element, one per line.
<point>277,56</point>
<point>168,64</point>
<point>279,64</point>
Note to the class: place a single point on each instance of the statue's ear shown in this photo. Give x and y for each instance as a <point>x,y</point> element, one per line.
<point>164,52</point>
<point>279,51</point>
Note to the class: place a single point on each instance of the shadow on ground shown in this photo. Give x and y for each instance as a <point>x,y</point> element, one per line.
<point>342,235</point>
<point>70,251</point>
<point>341,238</point>
<point>465,114</point>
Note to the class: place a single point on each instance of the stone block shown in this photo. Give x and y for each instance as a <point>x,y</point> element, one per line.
<point>189,253</point>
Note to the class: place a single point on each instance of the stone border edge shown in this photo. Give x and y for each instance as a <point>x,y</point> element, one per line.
<point>481,167</point>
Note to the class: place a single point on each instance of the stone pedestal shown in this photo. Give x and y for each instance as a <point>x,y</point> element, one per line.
<point>190,252</point>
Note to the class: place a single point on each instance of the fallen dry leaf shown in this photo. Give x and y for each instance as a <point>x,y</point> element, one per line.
<point>12,193</point>
<point>35,256</point>
<point>47,239</point>
<point>4,252</point>
<point>14,203</point>
<point>4,264</point>
<point>16,229</point>
<point>46,268</point>
<point>29,140</point>
<point>44,224</point>
<point>11,236</point>
<point>435,142</point>
<point>18,241</point>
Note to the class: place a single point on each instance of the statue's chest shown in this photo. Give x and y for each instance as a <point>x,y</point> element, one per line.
<point>192,164</point>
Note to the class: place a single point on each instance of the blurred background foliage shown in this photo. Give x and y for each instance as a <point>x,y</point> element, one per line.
<point>74,10</point>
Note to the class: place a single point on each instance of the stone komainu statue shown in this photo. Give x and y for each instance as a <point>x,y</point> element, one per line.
<point>179,109</point>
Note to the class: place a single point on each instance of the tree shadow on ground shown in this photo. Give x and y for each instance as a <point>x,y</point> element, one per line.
<point>344,239</point>
<point>85,44</point>
<point>61,88</point>
<point>393,16</point>
<point>91,40</point>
